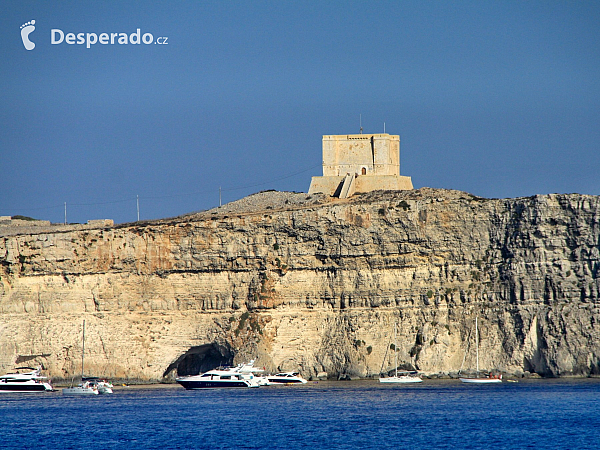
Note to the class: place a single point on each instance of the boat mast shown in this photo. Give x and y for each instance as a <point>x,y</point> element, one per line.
<point>477,345</point>
<point>396,349</point>
<point>82,349</point>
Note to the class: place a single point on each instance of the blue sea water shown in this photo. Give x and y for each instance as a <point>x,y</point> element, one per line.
<point>539,414</point>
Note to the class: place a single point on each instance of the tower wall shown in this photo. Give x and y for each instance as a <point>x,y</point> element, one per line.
<point>374,159</point>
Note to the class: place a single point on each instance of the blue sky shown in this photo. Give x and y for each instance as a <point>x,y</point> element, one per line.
<point>499,99</point>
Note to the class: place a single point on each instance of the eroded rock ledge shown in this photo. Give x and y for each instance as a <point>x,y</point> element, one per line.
<point>312,284</point>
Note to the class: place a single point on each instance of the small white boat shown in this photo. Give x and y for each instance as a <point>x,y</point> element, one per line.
<point>287,378</point>
<point>477,379</point>
<point>25,379</point>
<point>400,377</point>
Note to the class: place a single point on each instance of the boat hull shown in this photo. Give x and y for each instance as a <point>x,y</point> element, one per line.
<point>400,380</point>
<point>79,390</point>
<point>25,387</point>
<point>481,380</point>
<point>278,381</point>
<point>214,384</point>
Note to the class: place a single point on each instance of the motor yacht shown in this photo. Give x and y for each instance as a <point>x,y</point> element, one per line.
<point>25,379</point>
<point>286,378</point>
<point>219,378</point>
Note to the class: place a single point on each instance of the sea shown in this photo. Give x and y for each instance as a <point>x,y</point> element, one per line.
<point>435,414</point>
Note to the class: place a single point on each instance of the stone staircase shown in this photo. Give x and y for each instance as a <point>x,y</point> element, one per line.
<point>348,186</point>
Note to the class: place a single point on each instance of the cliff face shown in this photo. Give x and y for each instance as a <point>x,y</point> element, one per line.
<point>313,287</point>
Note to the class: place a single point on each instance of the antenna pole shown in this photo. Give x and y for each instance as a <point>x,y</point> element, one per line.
<point>477,345</point>
<point>360,122</point>
<point>65,213</point>
<point>138,207</point>
<point>82,350</point>
<point>396,349</point>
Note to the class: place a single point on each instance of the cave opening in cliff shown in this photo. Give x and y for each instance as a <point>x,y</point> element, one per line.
<point>199,359</point>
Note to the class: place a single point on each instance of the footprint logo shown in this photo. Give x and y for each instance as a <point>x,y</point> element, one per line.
<point>26,30</point>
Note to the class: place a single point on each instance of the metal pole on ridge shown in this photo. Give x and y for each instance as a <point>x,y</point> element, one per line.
<point>82,350</point>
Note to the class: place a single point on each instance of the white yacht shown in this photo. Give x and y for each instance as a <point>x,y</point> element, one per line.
<point>25,379</point>
<point>477,379</point>
<point>84,388</point>
<point>287,378</point>
<point>219,378</point>
<point>403,377</point>
<point>88,385</point>
<point>482,380</point>
<point>400,377</point>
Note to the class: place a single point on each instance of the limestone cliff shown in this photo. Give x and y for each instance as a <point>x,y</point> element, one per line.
<point>312,285</point>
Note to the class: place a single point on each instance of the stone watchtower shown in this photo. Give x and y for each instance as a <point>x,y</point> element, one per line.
<point>355,163</point>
